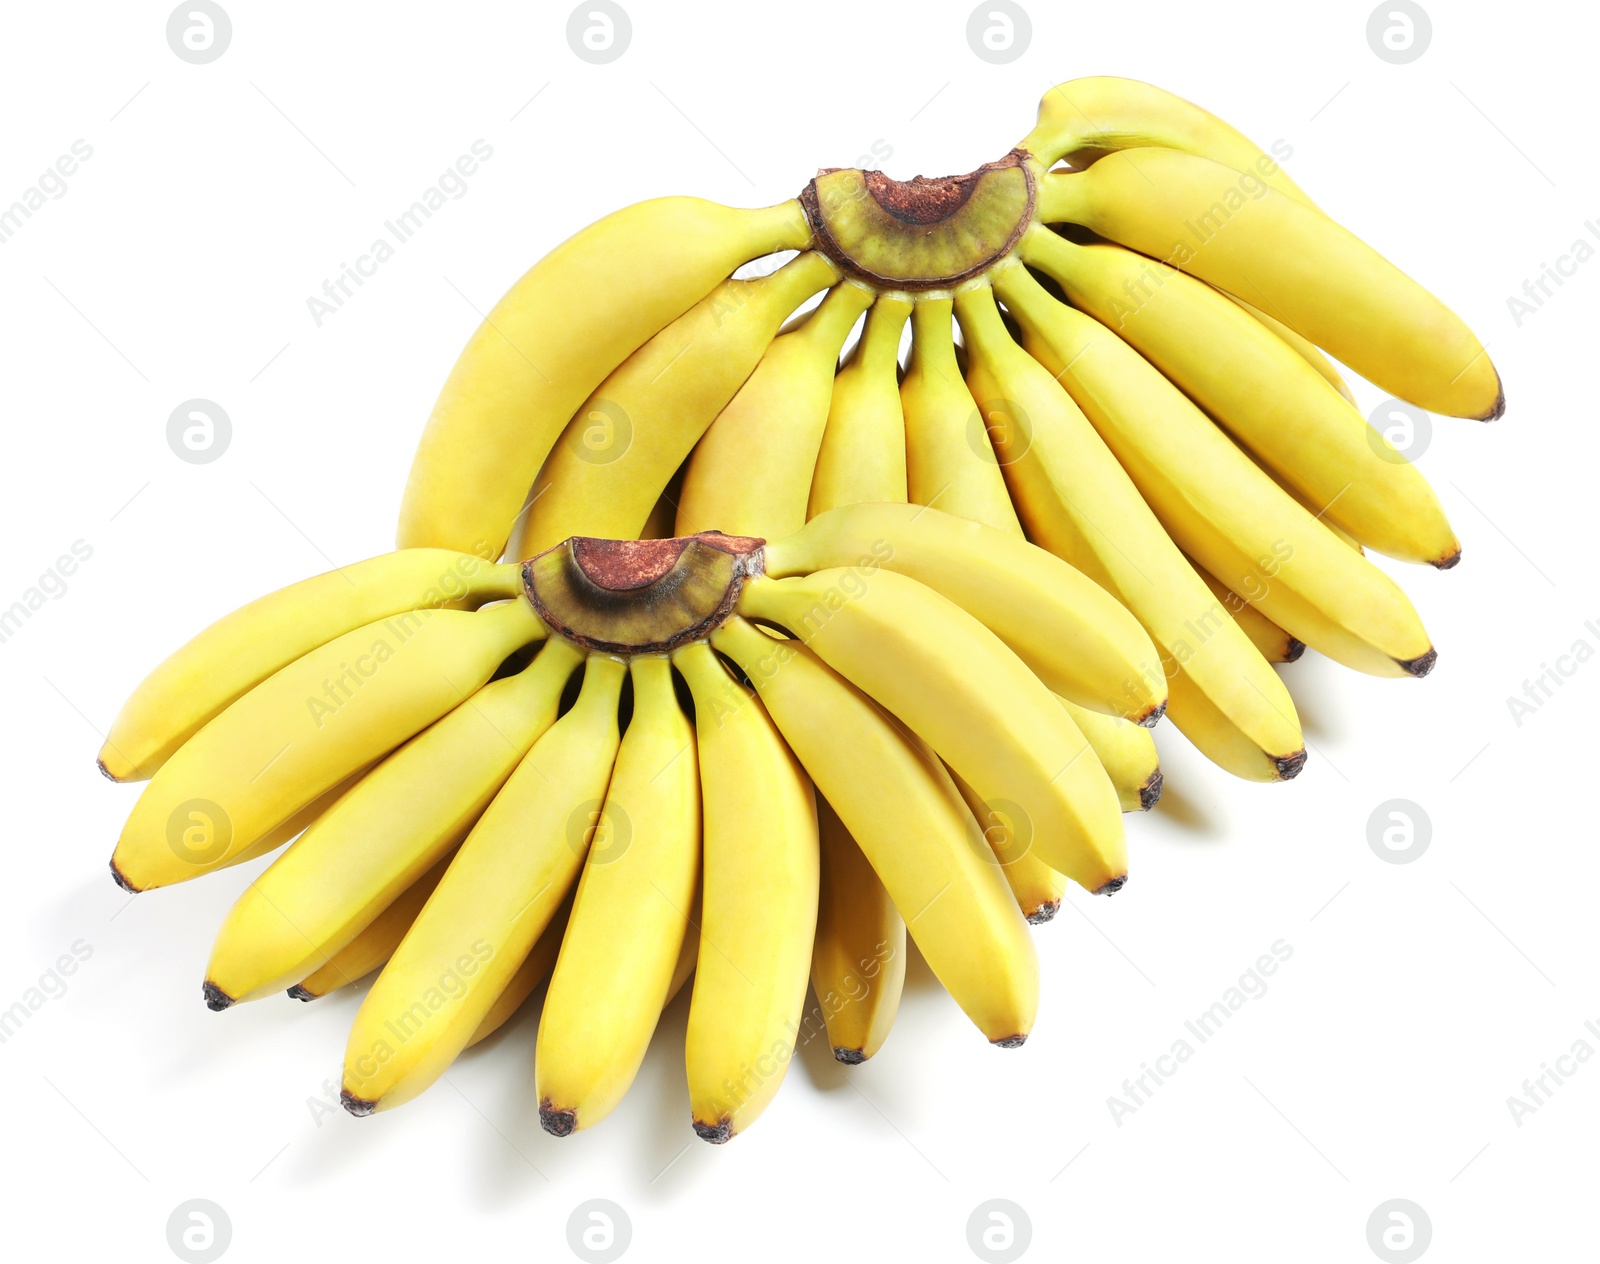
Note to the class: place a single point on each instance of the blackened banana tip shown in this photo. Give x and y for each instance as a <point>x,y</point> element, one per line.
<point>299,993</point>
<point>216,999</point>
<point>1419,667</point>
<point>558,1121</point>
<point>1009,1042</point>
<point>1111,888</point>
<point>1153,718</point>
<point>1150,792</point>
<point>850,1057</point>
<point>116,876</point>
<point>719,1133</point>
<point>1046,912</point>
<point>1294,651</point>
<point>360,1107</point>
<point>1289,766</point>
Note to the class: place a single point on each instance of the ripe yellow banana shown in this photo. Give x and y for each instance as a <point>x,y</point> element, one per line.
<point>1067,628</point>
<point>863,454</point>
<point>304,730</point>
<point>1081,505</point>
<point>1275,645</point>
<point>759,902</point>
<point>571,319</point>
<point>242,649</point>
<point>1256,386</point>
<point>608,468</point>
<point>533,971</point>
<point>950,462</point>
<point>1243,236</point>
<point>1217,506</point>
<point>360,858</point>
<point>1127,753</point>
<point>900,805</point>
<point>372,946</point>
<point>1037,888</point>
<point>751,472</point>
<point>964,692</point>
<point>858,963</point>
<point>1084,119</point>
<point>1306,349</point>
<point>629,916</point>
<point>493,903</point>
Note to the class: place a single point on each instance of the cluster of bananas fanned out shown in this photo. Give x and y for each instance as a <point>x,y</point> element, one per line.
<point>804,657</point>
<point>465,828</point>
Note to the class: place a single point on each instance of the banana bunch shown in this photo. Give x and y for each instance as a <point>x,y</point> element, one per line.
<point>794,658</point>
<point>1146,306</point>
<point>621,763</point>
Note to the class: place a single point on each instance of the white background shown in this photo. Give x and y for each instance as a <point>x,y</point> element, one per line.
<point>1419,996</point>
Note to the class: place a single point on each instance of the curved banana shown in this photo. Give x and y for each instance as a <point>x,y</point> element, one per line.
<point>950,461</point>
<point>964,692</point>
<point>371,947</point>
<point>858,962</point>
<point>240,650</point>
<point>1306,349</point>
<point>1214,502</point>
<point>1127,753</point>
<point>304,730</point>
<point>1067,628</point>
<point>1274,644</point>
<point>1081,505</point>
<point>495,900</point>
<point>1259,389</point>
<point>751,471</point>
<point>1037,888</point>
<point>607,470</point>
<point>1084,119</point>
<point>900,805</point>
<point>759,899</point>
<point>1289,259</point>
<point>629,916</point>
<point>863,453</point>
<point>365,853</point>
<point>571,319</point>
<point>533,971</point>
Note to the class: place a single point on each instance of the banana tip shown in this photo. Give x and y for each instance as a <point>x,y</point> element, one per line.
<point>1110,888</point>
<point>719,1133</point>
<point>300,993</point>
<point>1289,766</point>
<point>558,1121</point>
<point>1499,409</point>
<point>1450,560</point>
<point>1293,650</point>
<point>1152,717</point>
<point>850,1057</point>
<point>1150,792</point>
<point>216,999</point>
<point>116,876</point>
<point>105,772</point>
<point>1044,913</point>
<point>1010,1042</point>
<point>360,1107</point>
<point>1420,666</point>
